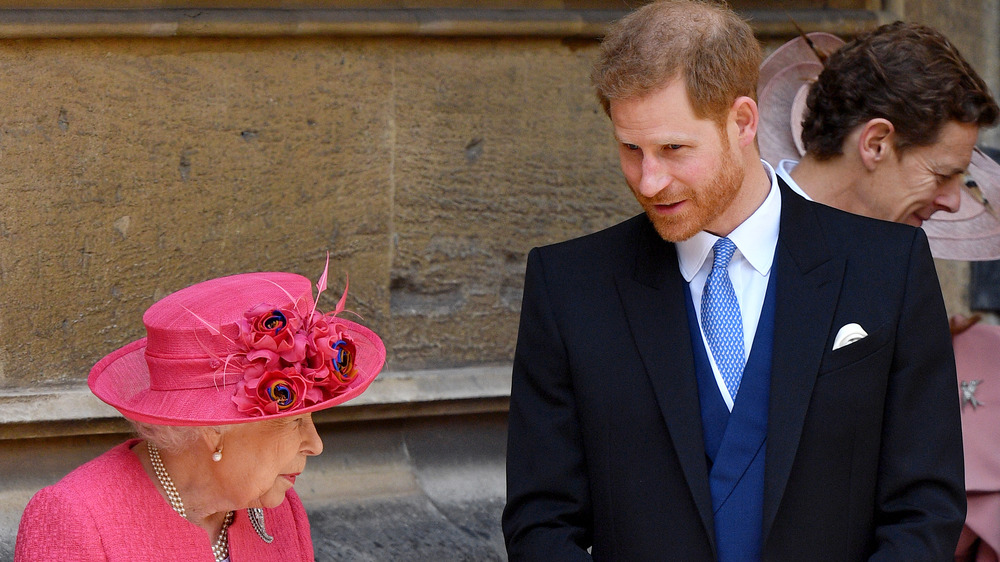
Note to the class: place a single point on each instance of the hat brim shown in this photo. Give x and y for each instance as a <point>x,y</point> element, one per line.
<point>785,75</point>
<point>776,100</point>
<point>122,380</point>
<point>972,233</point>
<point>796,51</point>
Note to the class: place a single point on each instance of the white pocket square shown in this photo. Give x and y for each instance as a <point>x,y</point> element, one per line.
<point>849,334</point>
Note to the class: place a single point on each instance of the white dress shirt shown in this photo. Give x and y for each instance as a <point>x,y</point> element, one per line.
<point>784,170</point>
<point>749,270</point>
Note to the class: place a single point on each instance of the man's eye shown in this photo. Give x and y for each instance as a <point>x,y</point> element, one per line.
<point>673,146</point>
<point>630,146</point>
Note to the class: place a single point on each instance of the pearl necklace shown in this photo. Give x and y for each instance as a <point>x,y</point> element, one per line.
<point>221,547</point>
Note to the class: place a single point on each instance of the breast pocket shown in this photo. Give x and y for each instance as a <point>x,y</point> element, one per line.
<point>867,348</point>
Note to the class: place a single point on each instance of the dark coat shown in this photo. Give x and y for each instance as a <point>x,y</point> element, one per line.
<point>864,450</point>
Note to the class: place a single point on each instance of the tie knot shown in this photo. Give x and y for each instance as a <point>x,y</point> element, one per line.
<point>724,250</point>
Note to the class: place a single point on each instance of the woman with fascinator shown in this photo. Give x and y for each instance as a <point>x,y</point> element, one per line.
<point>221,393</point>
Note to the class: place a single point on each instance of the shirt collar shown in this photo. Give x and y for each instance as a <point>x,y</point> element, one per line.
<point>756,238</point>
<point>784,170</point>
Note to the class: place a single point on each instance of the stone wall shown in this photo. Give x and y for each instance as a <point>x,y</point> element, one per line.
<point>426,165</point>
<point>134,167</point>
<point>143,151</point>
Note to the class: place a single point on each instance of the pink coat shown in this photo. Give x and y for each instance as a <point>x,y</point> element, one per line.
<point>110,510</point>
<point>977,357</point>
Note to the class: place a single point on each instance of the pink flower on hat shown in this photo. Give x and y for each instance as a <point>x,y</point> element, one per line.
<point>290,357</point>
<point>342,362</point>
<point>273,392</point>
<point>275,357</point>
<point>276,329</point>
<point>331,350</point>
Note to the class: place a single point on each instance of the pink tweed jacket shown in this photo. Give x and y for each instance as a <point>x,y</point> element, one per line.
<point>109,510</point>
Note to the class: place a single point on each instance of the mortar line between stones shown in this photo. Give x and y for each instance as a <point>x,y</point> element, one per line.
<point>392,160</point>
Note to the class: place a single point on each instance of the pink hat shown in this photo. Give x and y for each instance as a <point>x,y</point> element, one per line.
<point>973,233</point>
<point>238,349</point>
<point>782,87</point>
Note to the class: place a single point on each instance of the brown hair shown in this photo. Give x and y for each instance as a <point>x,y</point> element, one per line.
<point>906,73</point>
<point>705,43</point>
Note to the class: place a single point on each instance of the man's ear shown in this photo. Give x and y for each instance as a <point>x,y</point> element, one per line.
<point>746,116</point>
<point>875,142</point>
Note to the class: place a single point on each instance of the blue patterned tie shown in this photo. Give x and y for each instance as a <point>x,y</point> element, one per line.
<point>721,320</point>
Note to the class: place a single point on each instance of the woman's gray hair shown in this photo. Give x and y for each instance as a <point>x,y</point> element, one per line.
<point>172,438</point>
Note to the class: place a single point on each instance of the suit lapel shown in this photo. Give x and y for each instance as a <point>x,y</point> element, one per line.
<point>652,295</point>
<point>808,285</point>
<point>809,280</point>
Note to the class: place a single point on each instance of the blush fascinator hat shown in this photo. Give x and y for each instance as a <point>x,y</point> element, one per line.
<point>238,349</point>
<point>972,233</point>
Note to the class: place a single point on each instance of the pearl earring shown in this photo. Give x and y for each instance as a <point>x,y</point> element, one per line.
<point>217,455</point>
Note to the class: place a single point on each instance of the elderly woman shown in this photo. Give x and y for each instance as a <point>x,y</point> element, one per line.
<point>221,393</point>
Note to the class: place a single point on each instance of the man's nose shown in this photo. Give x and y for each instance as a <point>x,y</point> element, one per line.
<point>950,197</point>
<point>656,176</point>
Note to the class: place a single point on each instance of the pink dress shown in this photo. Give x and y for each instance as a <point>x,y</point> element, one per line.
<point>109,510</point>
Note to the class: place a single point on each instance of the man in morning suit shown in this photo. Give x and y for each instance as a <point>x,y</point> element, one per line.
<point>890,125</point>
<point>737,374</point>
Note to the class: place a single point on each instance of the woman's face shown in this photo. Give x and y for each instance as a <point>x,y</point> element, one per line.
<point>260,460</point>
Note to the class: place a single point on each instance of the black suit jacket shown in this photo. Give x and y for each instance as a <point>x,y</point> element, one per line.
<point>864,451</point>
